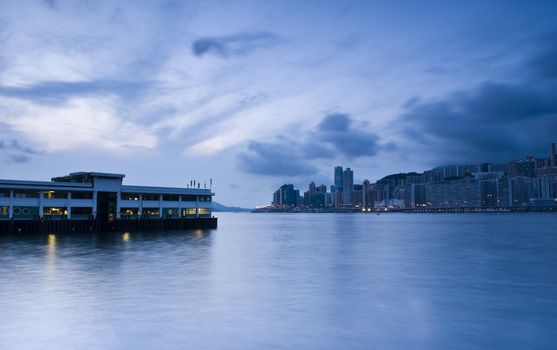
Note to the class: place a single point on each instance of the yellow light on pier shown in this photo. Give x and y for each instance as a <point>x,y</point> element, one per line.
<point>51,240</point>
<point>51,251</point>
<point>126,237</point>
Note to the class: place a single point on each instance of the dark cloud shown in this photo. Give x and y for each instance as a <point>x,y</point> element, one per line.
<point>233,45</point>
<point>545,63</point>
<point>492,122</point>
<point>50,3</point>
<point>335,122</point>
<point>51,92</point>
<point>334,137</point>
<point>349,141</point>
<point>19,158</point>
<point>15,152</point>
<point>14,145</point>
<point>274,159</point>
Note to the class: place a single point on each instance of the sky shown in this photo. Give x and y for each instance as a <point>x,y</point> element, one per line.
<point>255,94</point>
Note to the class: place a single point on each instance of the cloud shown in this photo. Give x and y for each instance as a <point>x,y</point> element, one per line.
<point>15,145</point>
<point>334,137</point>
<point>273,159</point>
<point>544,65</point>
<point>13,151</point>
<point>50,92</point>
<point>89,123</point>
<point>19,158</point>
<point>335,122</point>
<point>233,45</point>
<point>494,121</point>
<point>51,3</point>
<point>349,141</point>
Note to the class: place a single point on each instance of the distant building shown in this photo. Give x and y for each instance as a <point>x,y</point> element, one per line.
<point>415,195</point>
<point>453,194</point>
<point>286,195</point>
<point>358,196</point>
<point>348,187</point>
<point>339,182</point>
<point>526,168</point>
<point>366,198</point>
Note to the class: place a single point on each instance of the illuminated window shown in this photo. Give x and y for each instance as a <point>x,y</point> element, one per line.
<point>150,211</point>
<point>204,211</point>
<point>130,196</point>
<point>4,210</point>
<point>129,211</point>
<point>189,211</point>
<point>55,194</point>
<point>54,211</point>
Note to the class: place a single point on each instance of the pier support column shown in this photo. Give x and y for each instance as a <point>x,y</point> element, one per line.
<point>140,210</point>
<point>69,205</point>
<point>41,204</point>
<point>160,206</point>
<point>180,206</point>
<point>196,206</point>
<point>11,205</point>
<point>95,204</point>
<point>119,196</point>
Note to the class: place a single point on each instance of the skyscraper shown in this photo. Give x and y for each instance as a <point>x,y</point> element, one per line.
<point>365,194</point>
<point>348,187</point>
<point>338,178</point>
<point>553,157</point>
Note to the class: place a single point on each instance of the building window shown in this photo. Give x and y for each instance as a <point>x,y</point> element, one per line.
<point>55,194</point>
<point>82,195</point>
<point>129,196</point>
<point>4,210</point>
<point>82,211</point>
<point>4,193</point>
<point>151,211</point>
<point>170,197</point>
<point>188,198</point>
<point>55,211</point>
<point>190,211</point>
<point>26,194</point>
<point>129,211</point>
<point>151,197</point>
<point>204,211</point>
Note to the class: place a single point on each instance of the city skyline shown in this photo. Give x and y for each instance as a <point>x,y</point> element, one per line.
<point>248,93</point>
<point>518,183</point>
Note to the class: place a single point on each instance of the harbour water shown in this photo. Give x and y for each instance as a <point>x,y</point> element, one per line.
<point>288,281</point>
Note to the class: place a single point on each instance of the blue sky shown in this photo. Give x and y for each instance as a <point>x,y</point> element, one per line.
<point>256,94</point>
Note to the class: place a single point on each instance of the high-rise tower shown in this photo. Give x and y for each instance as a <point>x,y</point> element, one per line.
<point>348,187</point>
<point>553,159</point>
<point>338,178</point>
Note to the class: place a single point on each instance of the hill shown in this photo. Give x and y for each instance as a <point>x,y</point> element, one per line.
<point>223,208</point>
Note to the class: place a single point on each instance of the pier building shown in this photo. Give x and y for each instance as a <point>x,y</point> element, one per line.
<point>101,197</point>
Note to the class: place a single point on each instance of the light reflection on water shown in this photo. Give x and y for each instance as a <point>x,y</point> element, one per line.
<point>288,281</point>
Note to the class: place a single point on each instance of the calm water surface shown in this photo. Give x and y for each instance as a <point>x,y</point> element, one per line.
<point>289,281</point>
